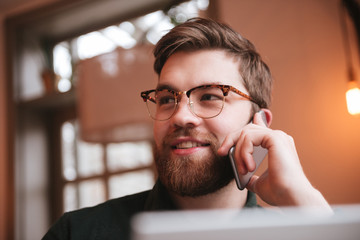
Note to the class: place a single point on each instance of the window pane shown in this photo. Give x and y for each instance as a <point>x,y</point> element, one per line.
<point>129,183</point>
<point>70,197</point>
<point>129,155</point>
<point>128,34</point>
<point>68,151</point>
<point>62,66</point>
<point>93,44</point>
<point>119,36</point>
<point>91,192</point>
<point>90,158</point>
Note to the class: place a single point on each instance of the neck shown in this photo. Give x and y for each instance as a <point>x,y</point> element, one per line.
<point>227,197</point>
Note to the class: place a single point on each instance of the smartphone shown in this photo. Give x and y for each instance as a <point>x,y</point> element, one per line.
<point>259,154</point>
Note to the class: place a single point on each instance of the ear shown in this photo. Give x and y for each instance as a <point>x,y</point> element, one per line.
<point>268,115</point>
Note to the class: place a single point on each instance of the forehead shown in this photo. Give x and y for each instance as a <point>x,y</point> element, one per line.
<point>185,70</point>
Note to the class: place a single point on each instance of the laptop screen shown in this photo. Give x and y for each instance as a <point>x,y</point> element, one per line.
<point>254,224</point>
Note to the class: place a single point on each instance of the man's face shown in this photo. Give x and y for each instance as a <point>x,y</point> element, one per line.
<point>186,145</point>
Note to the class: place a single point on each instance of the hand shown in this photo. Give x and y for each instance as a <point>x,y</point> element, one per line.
<point>284,182</point>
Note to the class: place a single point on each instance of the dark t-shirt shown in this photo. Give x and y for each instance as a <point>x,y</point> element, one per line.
<point>111,219</point>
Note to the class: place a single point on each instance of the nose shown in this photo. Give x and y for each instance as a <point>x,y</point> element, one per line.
<point>183,116</point>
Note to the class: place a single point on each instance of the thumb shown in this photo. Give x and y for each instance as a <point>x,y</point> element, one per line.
<point>251,186</point>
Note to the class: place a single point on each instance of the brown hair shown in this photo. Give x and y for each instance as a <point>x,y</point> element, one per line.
<point>200,34</point>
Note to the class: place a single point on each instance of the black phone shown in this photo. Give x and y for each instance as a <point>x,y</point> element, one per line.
<point>259,154</point>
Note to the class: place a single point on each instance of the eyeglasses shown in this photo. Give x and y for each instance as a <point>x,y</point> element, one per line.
<point>206,101</point>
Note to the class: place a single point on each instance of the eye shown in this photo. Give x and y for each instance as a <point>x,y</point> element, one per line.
<point>164,98</point>
<point>210,97</point>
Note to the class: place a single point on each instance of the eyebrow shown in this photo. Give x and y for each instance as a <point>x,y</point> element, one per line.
<point>165,86</point>
<point>169,87</point>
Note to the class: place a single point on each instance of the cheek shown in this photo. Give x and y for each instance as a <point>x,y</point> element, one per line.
<point>229,122</point>
<point>220,128</point>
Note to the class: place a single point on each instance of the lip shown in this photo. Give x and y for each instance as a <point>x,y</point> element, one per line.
<point>187,151</point>
<point>186,139</point>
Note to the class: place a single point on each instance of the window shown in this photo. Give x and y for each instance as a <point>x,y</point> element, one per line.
<point>94,172</point>
<point>145,29</point>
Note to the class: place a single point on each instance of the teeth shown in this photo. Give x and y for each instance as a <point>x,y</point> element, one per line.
<point>188,144</point>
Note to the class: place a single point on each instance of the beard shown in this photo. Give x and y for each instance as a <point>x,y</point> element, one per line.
<point>195,175</point>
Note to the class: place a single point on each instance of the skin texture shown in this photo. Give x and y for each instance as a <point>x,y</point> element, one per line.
<point>204,143</point>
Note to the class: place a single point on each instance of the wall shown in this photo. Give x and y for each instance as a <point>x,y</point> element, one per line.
<point>302,43</point>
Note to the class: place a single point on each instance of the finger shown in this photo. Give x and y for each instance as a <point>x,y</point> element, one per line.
<point>245,154</point>
<point>241,153</point>
<point>241,167</point>
<point>240,162</point>
<point>226,145</point>
<point>251,186</point>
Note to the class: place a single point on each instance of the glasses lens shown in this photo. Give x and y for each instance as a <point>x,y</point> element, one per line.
<point>163,106</point>
<point>207,102</point>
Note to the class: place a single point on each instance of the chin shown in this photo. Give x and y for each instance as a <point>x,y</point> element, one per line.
<point>194,176</point>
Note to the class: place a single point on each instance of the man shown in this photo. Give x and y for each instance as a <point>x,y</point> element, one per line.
<point>212,84</point>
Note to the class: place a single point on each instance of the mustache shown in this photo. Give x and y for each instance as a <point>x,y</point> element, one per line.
<point>193,133</point>
<point>183,132</point>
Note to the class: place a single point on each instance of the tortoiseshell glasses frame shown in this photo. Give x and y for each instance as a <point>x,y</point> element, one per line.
<point>205,101</point>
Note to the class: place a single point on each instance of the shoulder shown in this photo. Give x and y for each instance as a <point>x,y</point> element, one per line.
<point>104,221</point>
<point>119,207</point>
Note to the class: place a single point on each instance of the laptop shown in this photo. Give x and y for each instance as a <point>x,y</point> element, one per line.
<point>254,224</point>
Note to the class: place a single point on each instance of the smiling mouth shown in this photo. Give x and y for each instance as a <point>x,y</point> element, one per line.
<point>189,144</point>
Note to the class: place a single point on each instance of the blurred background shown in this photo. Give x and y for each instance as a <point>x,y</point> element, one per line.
<point>75,132</point>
